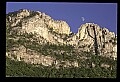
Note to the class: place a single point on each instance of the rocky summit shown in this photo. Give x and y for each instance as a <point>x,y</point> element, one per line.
<point>35,38</point>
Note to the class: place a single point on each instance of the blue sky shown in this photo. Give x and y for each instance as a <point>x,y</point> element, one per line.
<point>103,14</point>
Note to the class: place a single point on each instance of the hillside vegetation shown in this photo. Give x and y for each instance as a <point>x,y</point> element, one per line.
<point>51,52</point>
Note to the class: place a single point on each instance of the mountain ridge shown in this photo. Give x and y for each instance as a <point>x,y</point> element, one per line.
<point>36,38</point>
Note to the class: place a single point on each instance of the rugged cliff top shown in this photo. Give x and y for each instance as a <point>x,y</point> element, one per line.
<point>25,17</point>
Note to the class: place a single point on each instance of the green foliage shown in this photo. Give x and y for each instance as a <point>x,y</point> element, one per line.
<point>51,29</point>
<point>15,68</point>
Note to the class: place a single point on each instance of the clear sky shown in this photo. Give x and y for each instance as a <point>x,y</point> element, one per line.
<point>75,14</point>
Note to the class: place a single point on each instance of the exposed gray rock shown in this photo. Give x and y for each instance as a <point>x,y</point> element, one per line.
<point>90,37</point>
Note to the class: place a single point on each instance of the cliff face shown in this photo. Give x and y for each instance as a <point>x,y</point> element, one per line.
<point>45,30</point>
<point>39,23</point>
<point>91,37</point>
<point>103,42</point>
<point>32,21</point>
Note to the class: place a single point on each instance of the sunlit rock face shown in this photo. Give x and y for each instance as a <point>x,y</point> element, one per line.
<point>90,37</point>
<point>40,23</point>
<point>31,19</point>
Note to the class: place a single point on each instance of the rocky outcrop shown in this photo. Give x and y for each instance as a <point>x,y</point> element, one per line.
<point>99,40</point>
<point>105,65</point>
<point>30,21</point>
<point>32,57</point>
<point>39,23</point>
<point>90,38</point>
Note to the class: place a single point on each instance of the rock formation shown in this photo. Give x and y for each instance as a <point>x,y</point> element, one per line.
<point>38,22</point>
<point>90,37</point>
<point>32,57</point>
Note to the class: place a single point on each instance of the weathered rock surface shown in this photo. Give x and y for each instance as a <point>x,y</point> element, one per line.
<point>90,37</point>
<point>30,56</point>
<point>40,23</point>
